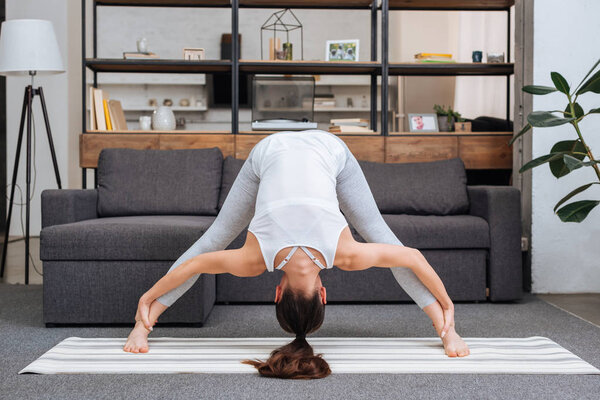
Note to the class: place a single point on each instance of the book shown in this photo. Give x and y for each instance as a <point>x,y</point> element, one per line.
<point>350,122</point>
<point>135,54</point>
<point>93,125</point>
<point>349,129</point>
<point>107,115</point>
<point>428,55</point>
<point>117,116</point>
<point>99,109</point>
<point>111,116</point>
<point>434,57</point>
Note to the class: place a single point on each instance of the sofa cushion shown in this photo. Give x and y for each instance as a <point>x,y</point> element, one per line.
<point>150,237</point>
<point>425,188</point>
<point>437,232</point>
<point>159,182</point>
<point>231,169</point>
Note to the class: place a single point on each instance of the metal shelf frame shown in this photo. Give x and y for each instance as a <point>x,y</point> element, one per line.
<point>384,68</point>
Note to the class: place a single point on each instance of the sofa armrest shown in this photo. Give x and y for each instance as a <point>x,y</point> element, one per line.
<point>63,206</point>
<point>500,206</point>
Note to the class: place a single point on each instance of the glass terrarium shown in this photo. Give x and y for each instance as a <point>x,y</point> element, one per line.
<point>283,98</point>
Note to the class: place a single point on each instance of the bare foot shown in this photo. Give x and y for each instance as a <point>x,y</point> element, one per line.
<point>454,345</point>
<point>137,342</point>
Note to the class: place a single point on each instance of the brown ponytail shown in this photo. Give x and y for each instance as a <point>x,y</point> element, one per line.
<point>296,360</point>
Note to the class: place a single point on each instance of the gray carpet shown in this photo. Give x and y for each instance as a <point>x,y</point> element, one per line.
<point>24,338</point>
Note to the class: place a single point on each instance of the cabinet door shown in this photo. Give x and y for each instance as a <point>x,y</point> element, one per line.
<point>404,149</point>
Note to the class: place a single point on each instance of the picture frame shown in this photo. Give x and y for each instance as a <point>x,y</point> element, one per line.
<point>423,122</point>
<point>195,54</point>
<point>342,50</point>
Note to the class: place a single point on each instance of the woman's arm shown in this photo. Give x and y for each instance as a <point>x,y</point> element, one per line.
<point>367,255</point>
<point>234,261</point>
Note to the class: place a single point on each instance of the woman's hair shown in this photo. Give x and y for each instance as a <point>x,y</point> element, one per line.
<point>296,360</point>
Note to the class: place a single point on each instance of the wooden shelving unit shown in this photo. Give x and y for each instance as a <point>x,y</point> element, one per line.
<point>451,5</point>
<point>157,65</point>
<point>451,69</point>
<point>310,67</point>
<point>481,149</point>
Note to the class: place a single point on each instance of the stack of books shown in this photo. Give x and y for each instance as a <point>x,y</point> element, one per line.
<point>138,55</point>
<point>434,58</point>
<point>350,125</point>
<point>105,114</point>
<point>326,100</point>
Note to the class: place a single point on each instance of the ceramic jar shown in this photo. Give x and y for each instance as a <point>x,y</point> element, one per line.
<point>163,119</point>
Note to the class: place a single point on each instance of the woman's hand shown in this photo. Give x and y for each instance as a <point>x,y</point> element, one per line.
<point>448,311</point>
<point>143,311</point>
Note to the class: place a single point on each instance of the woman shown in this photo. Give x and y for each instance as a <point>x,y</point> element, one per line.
<point>290,191</point>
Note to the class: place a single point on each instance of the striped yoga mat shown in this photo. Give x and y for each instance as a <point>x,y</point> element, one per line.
<point>168,355</point>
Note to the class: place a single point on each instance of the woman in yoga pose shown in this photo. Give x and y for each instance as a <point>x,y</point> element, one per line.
<point>289,193</point>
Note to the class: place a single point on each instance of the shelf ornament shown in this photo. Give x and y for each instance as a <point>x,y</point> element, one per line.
<point>283,21</point>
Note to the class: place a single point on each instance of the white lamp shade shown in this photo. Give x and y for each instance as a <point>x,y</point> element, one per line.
<point>29,45</point>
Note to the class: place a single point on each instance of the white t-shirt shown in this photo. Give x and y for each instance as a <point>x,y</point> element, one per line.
<point>296,203</point>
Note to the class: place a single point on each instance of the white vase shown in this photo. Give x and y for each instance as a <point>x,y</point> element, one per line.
<point>163,119</point>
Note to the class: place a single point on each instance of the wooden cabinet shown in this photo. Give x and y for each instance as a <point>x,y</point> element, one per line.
<point>478,150</point>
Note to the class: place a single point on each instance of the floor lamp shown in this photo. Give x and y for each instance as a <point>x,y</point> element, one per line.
<point>28,47</point>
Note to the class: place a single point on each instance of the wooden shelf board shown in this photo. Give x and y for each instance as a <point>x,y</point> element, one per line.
<point>179,132</point>
<point>340,4</point>
<point>452,69</point>
<point>165,3</point>
<point>450,134</point>
<point>457,5</point>
<point>157,65</point>
<point>309,67</point>
<point>296,67</point>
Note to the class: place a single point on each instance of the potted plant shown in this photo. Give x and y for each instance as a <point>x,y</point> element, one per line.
<point>446,118</point>
<point>566,155</point>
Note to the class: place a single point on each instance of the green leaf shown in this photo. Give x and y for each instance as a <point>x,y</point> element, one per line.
<point>578,110</point>
<point>588,74</point>
<point>543,119</point>
<point>573,193</point>
<point>591,85</point>
<point>521,133</point>
<point>573,163</point>
<point>576,211</point>
<point>560,83</point>
<point>541,160</point>
<point>571,147</point>
<point>594,111</point>
<point>536,89</point>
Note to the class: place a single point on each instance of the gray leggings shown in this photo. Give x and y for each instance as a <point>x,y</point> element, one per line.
<point>356,202</point>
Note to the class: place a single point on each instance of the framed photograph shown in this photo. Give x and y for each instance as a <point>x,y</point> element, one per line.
<point>422,123</point>
<point>342,50</point>
<point>193,53</point>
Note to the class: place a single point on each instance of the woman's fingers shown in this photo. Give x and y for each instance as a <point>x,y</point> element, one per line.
<point>144,312</point>
<point>448,321</point>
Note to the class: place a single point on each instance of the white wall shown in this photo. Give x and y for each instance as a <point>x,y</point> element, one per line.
<point>565,256</point>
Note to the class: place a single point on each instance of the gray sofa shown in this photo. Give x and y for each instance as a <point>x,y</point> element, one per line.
<point>103,248</point>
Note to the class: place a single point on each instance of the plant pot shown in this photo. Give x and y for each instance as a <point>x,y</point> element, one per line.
<point>443,125</point>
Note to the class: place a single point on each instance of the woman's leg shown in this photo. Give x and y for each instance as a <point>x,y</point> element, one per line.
<point>359,208</point>
<point>234,216</point>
